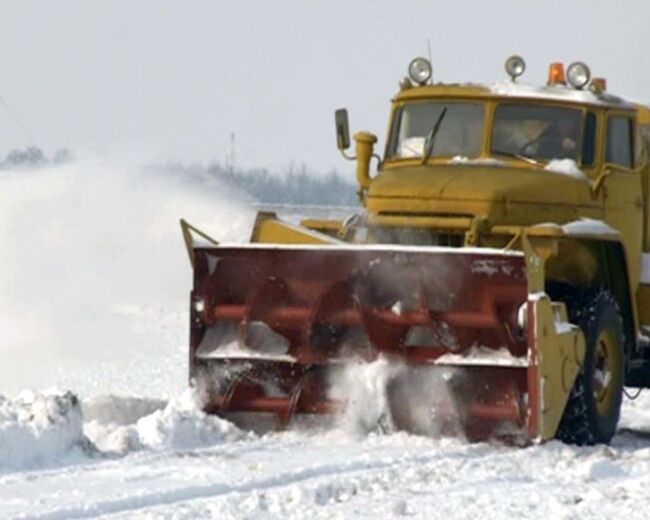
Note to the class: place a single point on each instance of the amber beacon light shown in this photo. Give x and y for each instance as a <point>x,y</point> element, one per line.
<point>556,74</point>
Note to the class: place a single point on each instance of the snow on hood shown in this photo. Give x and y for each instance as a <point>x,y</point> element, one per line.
<point>40,430</point>
<point>588,226</point>
<point>567,167</point>
<point>479,161</point>
<point>583,226</point>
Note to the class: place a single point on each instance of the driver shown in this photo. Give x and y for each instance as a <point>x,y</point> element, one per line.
<point>559,140</point>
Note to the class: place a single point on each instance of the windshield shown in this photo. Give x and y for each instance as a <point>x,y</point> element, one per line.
<point>459,132</point>
<point>537,132</point>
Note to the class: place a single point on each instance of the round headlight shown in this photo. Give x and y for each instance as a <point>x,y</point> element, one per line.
<point>578,74</point>
<point>420,70</point>
<point>515,66</point>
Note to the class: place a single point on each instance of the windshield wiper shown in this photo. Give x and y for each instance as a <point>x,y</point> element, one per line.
<point>431,138</point>
<point>515,155</point>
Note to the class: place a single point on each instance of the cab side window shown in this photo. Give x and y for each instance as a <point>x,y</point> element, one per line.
<point>620,145</point>
<point>589,140</point>
<point>642,146</point>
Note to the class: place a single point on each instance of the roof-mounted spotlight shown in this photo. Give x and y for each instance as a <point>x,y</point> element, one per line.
<point>405,83</point>
<point>420,70</point>
<point>515,67</point>
<point>578,75</point>
<point>598,85</point>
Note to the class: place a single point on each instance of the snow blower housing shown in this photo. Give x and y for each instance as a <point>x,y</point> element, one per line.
<point>503,236</point>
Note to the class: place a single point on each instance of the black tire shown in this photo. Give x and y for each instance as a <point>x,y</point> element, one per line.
<point>593,409</point>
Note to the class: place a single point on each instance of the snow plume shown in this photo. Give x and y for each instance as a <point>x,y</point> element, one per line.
<point>385,395</point>
<point>364,388</point>
<point>40,429</point>
<point>94,275</point>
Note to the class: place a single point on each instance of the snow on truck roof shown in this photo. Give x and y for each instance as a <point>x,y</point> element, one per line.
<point>510,89</point>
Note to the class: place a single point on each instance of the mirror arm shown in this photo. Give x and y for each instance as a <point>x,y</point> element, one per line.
<point>376,156</point>
<point>598,184</point>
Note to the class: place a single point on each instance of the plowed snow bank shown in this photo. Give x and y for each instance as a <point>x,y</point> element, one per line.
<point>182,425</point>
<point>40,429</point>
<point>120,425</point>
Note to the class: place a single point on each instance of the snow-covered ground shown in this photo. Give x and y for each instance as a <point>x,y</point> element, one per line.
<point>174,462</point>
<point>93,290</point>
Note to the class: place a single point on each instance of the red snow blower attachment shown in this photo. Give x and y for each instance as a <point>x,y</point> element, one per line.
<point>271,325</point>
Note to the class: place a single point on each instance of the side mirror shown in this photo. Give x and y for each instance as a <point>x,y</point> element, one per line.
<point>342,129</point>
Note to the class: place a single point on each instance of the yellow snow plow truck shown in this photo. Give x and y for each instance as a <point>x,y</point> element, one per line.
<point>502,252</point>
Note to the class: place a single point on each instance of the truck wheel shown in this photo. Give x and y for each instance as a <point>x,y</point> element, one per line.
<point>593,409</point>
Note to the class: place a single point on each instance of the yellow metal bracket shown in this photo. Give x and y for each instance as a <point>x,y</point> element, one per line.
<point>534,264</point>
<point>269,229</point>
<point>479,225</point>
<point>189,231</point>
<point>560,349</point>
